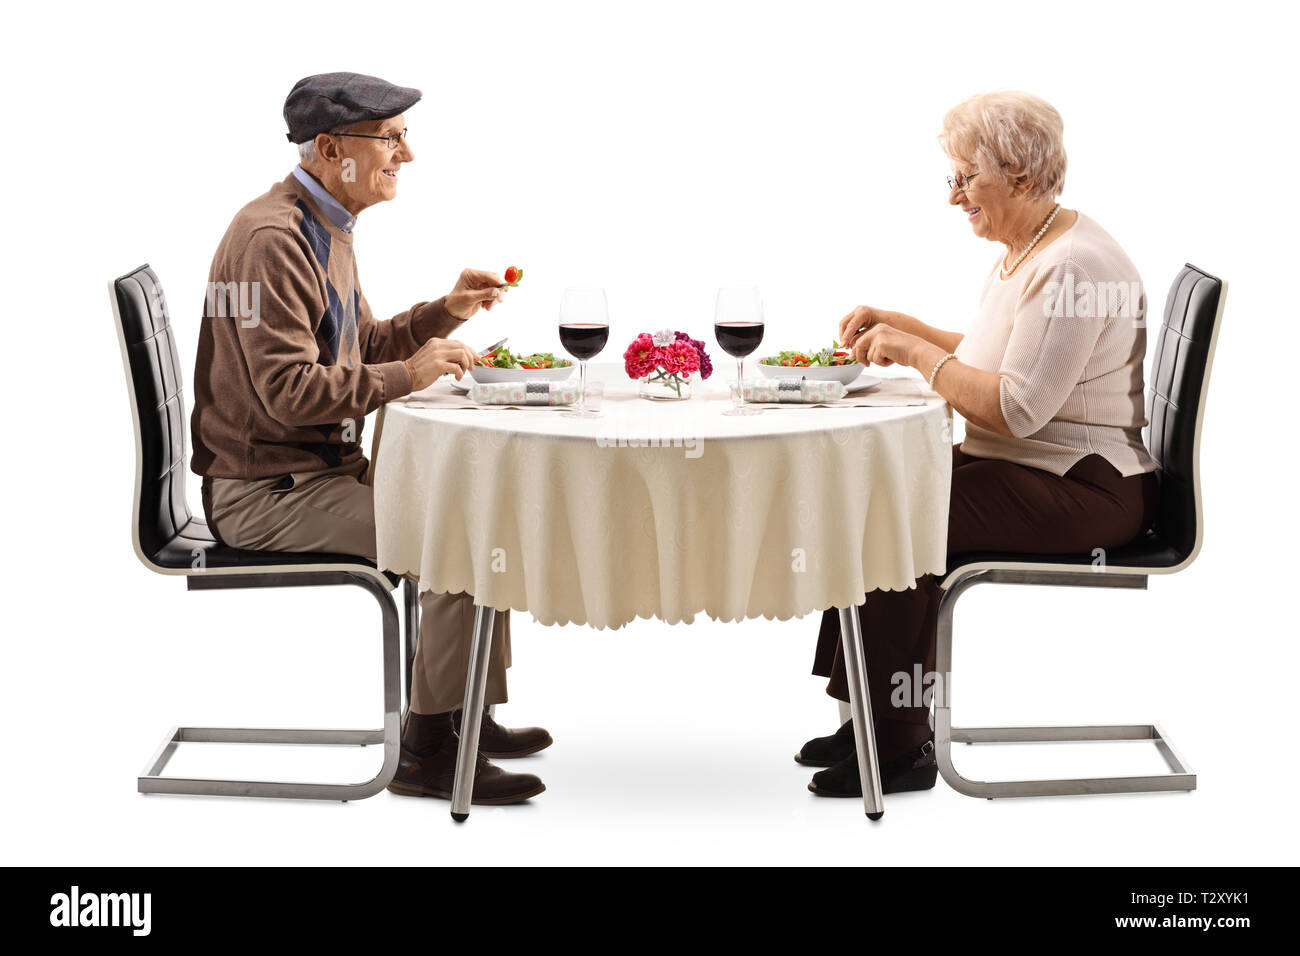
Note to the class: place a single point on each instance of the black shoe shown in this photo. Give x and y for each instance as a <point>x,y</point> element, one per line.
<point>914,770</point>
<point>827,751</point>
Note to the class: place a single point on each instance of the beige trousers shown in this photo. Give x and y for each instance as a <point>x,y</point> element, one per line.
<point>334,510</point>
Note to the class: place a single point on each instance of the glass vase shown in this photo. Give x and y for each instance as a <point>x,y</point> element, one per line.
<point>664,386</point>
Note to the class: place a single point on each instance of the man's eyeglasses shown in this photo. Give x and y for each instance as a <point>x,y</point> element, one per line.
<point>391,140</point>
<point>960,182</point>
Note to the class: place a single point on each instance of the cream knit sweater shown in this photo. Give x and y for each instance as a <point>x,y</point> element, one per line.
<point>1067,335</point>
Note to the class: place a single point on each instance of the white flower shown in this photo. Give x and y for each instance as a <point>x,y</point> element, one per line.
<point>664,337</point>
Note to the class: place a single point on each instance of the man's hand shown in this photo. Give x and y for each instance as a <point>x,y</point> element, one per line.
<point>475,288</point>
<point>436,358</point>
<point>884,345</point>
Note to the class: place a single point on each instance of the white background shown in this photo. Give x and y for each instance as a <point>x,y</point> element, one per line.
<point>659,150</point>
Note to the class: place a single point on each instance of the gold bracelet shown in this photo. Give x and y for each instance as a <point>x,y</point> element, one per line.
<point>938,365</point>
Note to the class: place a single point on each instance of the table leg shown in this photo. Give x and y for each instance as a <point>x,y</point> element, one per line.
<point>411,625</point>
<point>462,790</point>
<point>864,731</point>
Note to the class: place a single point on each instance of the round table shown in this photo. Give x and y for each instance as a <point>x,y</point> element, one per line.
<point>663,509</point>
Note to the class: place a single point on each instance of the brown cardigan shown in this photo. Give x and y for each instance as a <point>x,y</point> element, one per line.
<point>290,359</point>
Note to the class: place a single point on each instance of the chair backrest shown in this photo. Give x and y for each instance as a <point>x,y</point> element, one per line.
<point>158,405</point>
<point>1180,375</point>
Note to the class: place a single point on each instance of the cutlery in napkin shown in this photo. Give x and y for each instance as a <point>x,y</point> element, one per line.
<point>792,390</point>
<point>524,393</point>
<point>891,392</point>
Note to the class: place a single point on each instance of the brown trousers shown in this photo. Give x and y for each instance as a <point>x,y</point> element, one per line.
<point>334,510</point>
<point>995,506</point>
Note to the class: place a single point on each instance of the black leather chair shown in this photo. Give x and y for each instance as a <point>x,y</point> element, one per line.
<point>1175,409</point>
<point>170,540</point>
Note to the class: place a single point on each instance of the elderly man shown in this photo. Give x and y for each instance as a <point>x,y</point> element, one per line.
<point>283,385</point>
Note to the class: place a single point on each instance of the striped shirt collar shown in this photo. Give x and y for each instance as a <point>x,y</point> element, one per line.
<point>330,206</point>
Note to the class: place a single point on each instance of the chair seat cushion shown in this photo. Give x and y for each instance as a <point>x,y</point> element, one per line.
<point>178,554</point>
<point>1148,551</point>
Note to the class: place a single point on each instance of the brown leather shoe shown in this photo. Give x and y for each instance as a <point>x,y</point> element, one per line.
<point>501,743</point>
<point>435,774</point>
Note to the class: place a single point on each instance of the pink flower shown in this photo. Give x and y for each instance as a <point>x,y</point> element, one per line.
<point>706,365</point>
<point>680,357</point>
<point>641,357</point>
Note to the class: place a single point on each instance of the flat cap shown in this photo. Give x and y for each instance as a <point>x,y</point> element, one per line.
<point>326,101</point>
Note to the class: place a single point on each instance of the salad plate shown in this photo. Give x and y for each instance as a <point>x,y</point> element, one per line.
<point>502,365</point>
<point>487,375</point>
<point>833,364</point>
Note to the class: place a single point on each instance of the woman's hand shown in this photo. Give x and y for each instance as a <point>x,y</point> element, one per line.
<point>864,318</point>
<point>858,322</point>
<point>884,345</point>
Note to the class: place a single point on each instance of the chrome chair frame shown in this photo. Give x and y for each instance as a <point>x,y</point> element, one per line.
<point>1180,776</point>
<point>152,780</point>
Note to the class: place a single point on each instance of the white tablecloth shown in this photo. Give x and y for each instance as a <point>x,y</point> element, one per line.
<point>664,509</point>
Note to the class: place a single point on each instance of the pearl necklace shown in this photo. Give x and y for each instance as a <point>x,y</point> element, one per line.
<point>1020,258</point>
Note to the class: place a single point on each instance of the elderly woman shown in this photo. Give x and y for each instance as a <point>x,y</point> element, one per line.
<point>1049,381</point>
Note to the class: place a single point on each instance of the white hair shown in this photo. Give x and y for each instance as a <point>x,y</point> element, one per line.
<point>307,150</point>
<point>1010,136</point>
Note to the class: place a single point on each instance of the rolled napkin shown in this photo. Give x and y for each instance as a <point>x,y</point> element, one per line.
<point>524,393</point>
<point>792,390</point>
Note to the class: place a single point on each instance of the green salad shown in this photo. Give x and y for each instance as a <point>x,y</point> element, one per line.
<point>835,355</point>
<point>504,358</point>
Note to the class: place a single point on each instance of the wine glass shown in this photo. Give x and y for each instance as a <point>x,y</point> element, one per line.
<point>738,328</point>
<point>584,330</point>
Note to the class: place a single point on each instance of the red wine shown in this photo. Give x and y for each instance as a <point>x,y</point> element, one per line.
<point>738,339</point>
<point>583,340</point>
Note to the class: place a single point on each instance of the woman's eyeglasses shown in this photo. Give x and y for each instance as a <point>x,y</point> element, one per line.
<point>960,182</point>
